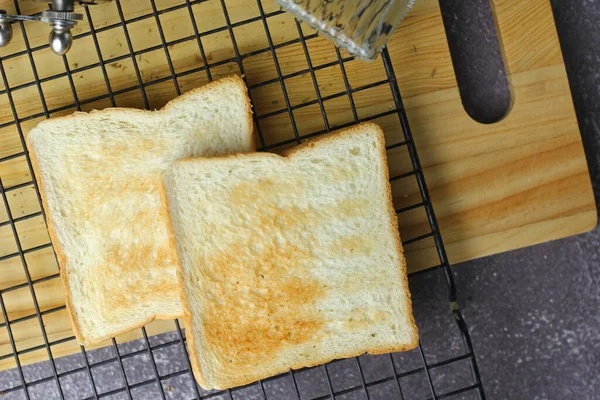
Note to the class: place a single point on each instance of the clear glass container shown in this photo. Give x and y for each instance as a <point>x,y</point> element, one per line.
<point>360,26</point>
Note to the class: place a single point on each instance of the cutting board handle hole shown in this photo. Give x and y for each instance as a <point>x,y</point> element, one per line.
<point>477,58</point>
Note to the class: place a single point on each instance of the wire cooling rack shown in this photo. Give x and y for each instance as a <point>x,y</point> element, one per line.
<point>142,53</point>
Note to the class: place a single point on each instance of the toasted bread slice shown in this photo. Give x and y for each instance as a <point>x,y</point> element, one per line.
<point>288,262</point>
<point>99,175</point>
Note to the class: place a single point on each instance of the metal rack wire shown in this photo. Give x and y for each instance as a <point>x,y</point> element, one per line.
<point>364,386</point>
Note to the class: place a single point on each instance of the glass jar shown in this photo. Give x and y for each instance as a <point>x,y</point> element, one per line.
<point>360,26</point>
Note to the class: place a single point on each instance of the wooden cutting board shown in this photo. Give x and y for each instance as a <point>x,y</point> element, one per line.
<point>496,187</point>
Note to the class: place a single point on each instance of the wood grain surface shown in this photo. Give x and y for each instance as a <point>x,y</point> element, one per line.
<point>521,181</point>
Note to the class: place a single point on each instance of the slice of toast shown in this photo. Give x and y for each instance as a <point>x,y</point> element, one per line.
<point>99,175</point>
<point>288,262</point>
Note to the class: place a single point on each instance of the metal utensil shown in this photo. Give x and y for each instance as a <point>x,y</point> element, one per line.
<point>61,18</point>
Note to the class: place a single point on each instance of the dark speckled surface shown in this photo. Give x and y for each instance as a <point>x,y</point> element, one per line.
<point>534,314</point>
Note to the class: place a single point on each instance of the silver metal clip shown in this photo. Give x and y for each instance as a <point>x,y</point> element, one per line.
<point>61,18</point>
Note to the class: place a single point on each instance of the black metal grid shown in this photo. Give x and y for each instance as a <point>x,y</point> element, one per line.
<point>364,387</point>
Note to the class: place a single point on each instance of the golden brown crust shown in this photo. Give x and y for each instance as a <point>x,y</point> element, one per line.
<point>187,315</point>
<point>287,155</point>
<point>396,232</point>
<point>331,136</point>
<point>253,135</point>
<point>321,361</point>
<point>112,110</point>
<point>61,257</point>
